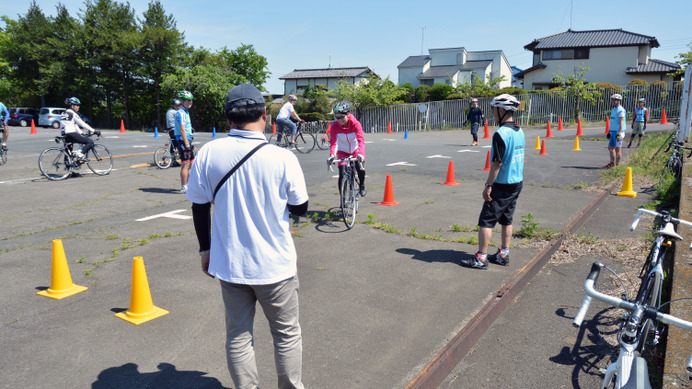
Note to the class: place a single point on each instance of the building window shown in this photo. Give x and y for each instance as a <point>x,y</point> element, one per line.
<point>581,53</point>
<point>458,58</point>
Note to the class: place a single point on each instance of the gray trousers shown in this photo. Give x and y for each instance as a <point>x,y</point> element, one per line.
<point>280,305</point>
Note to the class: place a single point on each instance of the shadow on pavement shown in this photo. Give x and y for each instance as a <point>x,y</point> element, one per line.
<point>583,167</point>
<point>128,376</point>
<point>430,256</point>
<point>160,190</point>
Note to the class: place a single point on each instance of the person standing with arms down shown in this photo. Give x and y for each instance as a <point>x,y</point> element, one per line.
<point>503,185</point>
<point>284,122</point>
<point>639,121</point>
<point>617,130</point>
<point>70,124</point>
<point>249,247</point>
<point>183,135</point>
<point>476,118</point>
<point>5,130</point>
<point>347,140</point>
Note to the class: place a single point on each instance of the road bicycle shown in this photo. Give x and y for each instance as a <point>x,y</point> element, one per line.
<point>3,150</point>
<point>57,163</point>
<point>322,138</point>
<point>636,332</point>
<point>167,155</point>
<point>305,141</point>
<point>349,189</point>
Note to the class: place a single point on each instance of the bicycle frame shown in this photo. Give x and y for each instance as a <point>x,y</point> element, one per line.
<point>348,187</point>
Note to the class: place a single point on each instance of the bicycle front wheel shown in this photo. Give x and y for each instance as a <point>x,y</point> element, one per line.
<point>305,142</point>
<point>3,157</point>
<point>653,288</point>
<point>349,202</point>
<point>54,164</point>
<point>323,140</point>
<point>100,160</point>
<point>676,168</point>
<point>163,158</point>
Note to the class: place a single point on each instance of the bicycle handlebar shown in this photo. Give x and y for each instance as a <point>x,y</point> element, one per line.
<point>335,161</point>
<point>642,211</point>
<point>649,312</point>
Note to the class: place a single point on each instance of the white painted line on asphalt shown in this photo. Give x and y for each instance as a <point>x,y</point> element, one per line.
<point>368,141</point>
<point>486,147</point>
<point>437,156</point>
<point>389,140</point>
<point>171,214</point>
<point>468,151</point>
<point>140,146</point>
<point>112,137</point>
<point>401,164</point>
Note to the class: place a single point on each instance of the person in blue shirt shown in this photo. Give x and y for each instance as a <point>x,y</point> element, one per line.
<point>617,130</point>
<point>183,134</point>
<point>503,185</point>
<point>475,118</point>
<point>639,121</point>
<point>5,130</point>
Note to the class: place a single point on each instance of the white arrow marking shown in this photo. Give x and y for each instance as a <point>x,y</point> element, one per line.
<point>401,164</point>
<point>171,214</point>
<point>438,156</point>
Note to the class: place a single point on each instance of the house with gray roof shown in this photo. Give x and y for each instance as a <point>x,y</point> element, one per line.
<point>613,56</point>
<point>454,66</point>
<point>298,79</point>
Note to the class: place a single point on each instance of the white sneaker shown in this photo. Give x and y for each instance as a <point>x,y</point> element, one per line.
<point>183,189</point>
<point>78,155</point>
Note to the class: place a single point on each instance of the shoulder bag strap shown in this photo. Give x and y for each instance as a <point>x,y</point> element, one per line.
<point>245,158</point>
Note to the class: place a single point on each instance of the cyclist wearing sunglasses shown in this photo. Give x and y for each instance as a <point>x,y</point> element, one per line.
<point>347,140</point>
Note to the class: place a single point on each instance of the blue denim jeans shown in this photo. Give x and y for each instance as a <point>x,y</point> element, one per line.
<point>285,125</point>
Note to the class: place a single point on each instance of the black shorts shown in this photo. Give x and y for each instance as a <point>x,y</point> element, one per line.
<point>501,209</point>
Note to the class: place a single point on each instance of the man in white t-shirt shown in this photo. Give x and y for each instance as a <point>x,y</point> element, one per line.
<point>283,119</point>
<point>249,247</point>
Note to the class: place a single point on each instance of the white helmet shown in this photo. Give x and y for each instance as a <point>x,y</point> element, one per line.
<point>506,101</point>
<point>616,96</point>
<point>474,100</point>
<point>292,97</point>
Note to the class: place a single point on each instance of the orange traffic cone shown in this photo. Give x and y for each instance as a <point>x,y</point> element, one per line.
<point>486,135</point>
<point>33,128</point>
<point>576,144</point>
<point>543,152</point>
<point>487,163</point>
<point>389,127</point>
<point>122,126</point>
<point>664,118</point>
<point>388,193</point>
<point>61,285</point>
<point>549,133</point>
<point>627,185</point>
<point>579,131</point>
<point>274,128</point>
<point>607,125</point>
<point>538,143</point>
<point>141,307</point>
<point>450,175</point>
<point>559,124</point>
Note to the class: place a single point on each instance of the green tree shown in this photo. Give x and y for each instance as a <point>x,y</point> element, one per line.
<point>408,93</point>
<point>685,59</point>
<point>422,93</point>
<point>368,92</point>
<point>440,91</point>
<point>475,86</point>
<point>248,64</point>
<point>573,84</point>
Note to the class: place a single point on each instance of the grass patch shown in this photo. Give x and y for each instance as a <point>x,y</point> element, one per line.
<point>531,230</point>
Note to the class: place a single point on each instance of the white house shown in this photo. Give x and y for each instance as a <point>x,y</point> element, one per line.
<point>297,80</point>
<point>613,56</point>
<point>454,66</point>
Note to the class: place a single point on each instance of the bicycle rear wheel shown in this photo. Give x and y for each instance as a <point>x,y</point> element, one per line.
<point>273,140</point>
<point>163,158</point>
<point>676,168</point>
<point>349,201</point>
<point>323,140</point>
<point>653,288</point>
<point>100,160</point>
<point>54,164</point>
<point>3,156</point>
<point>305,142</point>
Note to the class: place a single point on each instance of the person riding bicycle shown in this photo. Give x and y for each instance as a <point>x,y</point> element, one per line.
<point>639,120</point>
<point>184,126</point>
<point>347,140</point>
<point>70,123</point>
<point>5,130</point>
<point>284,120</point>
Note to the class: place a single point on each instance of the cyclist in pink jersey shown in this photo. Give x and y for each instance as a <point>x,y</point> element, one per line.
<point>347,140</point>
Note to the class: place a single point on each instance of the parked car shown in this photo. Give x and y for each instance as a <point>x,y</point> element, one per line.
<point>22,116</point>
<point>50,117</point>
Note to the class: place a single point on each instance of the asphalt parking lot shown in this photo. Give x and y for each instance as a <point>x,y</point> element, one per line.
<point>376,305</point>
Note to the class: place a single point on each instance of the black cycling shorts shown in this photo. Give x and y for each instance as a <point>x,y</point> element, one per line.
<point>501,208</point>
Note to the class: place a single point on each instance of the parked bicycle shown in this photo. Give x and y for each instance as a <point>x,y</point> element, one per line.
<point>348,190</point>
<point>57,163</point>
<point>636,332</point>
<point>167,155</point>
<point>305,141</point>
<point>3,150</point>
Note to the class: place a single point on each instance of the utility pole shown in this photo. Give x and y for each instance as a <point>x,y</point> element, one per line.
<point>422,39</point>
<point>330,60</point>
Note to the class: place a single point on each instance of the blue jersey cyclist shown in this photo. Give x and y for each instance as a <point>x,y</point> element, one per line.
<point>5,130</point>
<point>504,183</point>
<point>183,134</point>
<point>639,121</point>
<point>617,130</point>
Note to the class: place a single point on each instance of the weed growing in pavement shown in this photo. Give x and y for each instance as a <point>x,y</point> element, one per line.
<point>586,238</point>
<point>455,228</point>
<point>112,237</point>
<point>371,218</point>
<point>578,186</point>
<point>463,228</point>
<point>532,231</point>
<point>403,169</point>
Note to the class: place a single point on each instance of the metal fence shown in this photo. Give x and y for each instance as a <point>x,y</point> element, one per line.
<point>536,109</point>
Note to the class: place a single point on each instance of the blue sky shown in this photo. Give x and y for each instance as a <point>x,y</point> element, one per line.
<point>381,34</point>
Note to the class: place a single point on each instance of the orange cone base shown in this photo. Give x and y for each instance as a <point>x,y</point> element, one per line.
<point>450,183</point>
<point>61,294</point>
<point>139,318</point>
<point>389,203</point>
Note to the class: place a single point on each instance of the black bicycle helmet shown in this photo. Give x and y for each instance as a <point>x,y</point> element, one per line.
<point>72,101</point>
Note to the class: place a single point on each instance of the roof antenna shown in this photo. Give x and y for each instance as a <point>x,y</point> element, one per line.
<point>571,6</point>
